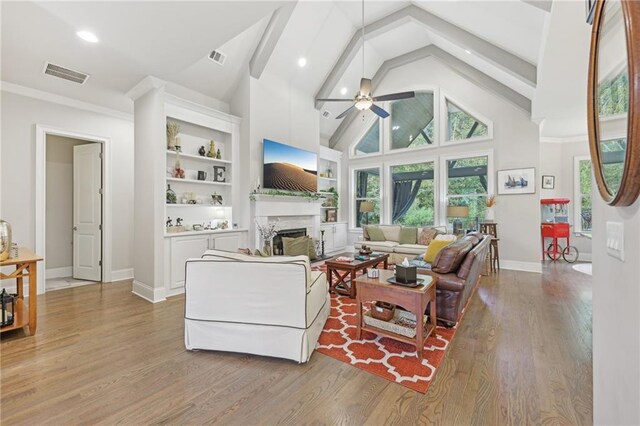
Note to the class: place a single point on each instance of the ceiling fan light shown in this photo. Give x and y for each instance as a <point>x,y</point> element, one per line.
<point>363,104</point>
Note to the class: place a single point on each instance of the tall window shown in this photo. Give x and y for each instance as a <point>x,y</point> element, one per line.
<point>412,121</point>
<point>367,186</point>
<point>461,125</point>
<point>582,188</point>
<point>613,154</point>
<point>412,189</point>
<point>370,142</point>
<point>467,183</point>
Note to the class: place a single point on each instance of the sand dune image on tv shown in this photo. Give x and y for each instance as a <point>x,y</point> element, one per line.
<point>288,168</point>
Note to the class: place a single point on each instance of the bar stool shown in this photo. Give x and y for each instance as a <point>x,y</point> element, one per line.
<point>491,228</point>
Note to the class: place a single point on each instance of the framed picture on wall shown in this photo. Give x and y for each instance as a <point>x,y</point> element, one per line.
<point>548,182</point>
<point>517,181</point>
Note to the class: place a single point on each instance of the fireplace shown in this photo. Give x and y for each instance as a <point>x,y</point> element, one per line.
<point>289,233</point>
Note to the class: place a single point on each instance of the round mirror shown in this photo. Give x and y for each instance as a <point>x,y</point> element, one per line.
<point>613,81</point>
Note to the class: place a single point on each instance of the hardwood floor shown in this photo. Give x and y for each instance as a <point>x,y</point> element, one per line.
<point>523,355</point>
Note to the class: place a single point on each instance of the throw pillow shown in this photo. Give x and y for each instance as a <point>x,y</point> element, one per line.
<point>426,236</point>
<point>375,234</point>
<point>446,237</point>
<point>408,235</point>
<point>433,250</point>
<point>295,246</point>
<point>311,249</point>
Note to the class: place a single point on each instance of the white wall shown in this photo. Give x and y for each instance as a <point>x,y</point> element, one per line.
<point>20,114</point>
<point>557,159</point>
<point>240,108</point>
<point>616,319</point>
<point>59,201</point>
<point>515,145</point>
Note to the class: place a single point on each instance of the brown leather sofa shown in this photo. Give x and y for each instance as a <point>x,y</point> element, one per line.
<point>458,267</point>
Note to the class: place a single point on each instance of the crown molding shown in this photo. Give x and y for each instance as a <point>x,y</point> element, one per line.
<point>29,92</point>
<point>146,84</point>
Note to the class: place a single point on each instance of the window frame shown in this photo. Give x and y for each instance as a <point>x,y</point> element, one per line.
<point>386,136</point>
<point>444,122</point>
<point>388,187</point>
<point>577,195</point>
<point>363,132</point>
<point>444,178</point>
<point>352,193</point>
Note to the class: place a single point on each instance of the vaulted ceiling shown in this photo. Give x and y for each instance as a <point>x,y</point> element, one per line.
<point>500,42</point>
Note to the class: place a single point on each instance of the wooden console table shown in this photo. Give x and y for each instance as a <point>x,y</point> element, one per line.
<point>26,266</point>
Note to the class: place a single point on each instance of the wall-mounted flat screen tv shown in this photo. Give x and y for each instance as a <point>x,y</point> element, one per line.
<point>288,168</point>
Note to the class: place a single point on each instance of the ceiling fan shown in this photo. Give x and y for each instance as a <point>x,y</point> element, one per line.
<point>363,99</point>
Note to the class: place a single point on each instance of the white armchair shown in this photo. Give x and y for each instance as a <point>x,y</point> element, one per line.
<point>272,306</point>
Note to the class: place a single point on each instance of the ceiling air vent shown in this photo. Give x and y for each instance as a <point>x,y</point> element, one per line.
<point>218,57</point>
<point>326,114</point>
<point>65,73</point>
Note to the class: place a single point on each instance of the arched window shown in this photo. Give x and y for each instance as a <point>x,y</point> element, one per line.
<point>412,121</point>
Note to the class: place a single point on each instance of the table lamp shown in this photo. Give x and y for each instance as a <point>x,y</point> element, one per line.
<point>366,207</point>
<point>457,212</point>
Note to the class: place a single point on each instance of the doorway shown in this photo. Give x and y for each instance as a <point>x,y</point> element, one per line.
<point>88,211</point>
<point>73,212</point>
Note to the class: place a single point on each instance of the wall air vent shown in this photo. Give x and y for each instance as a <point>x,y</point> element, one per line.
<point>65,73</point>
<point>326,114</point>
<point>218,57</point>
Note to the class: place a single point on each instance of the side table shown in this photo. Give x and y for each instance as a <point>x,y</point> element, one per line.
<point>26,266</point>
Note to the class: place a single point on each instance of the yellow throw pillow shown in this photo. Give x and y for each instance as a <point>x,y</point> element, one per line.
<point>433,249</point>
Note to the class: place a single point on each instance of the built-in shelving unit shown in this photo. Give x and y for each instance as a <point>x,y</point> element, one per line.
<point>329,162</point>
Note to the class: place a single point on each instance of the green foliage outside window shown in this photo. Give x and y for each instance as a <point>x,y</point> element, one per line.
<point>613,95</point>
<point>585,194</point>
<point>469,190</point>
<point>421,212</point>
<point>462,125</point>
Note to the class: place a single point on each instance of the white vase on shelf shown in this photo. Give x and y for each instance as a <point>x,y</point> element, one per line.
<point>489,215</point>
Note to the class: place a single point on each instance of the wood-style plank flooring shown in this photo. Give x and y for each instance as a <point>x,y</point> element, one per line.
<point>101,355</point>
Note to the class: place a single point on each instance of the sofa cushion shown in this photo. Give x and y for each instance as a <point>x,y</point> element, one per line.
<point>465,268</point>
<point>408,235</point>
<point>472,239</point>
<point>375,233</point>
<point>426,236</point>
<point>433,249</point>
<point>449,258</point>
<point>445,237</point>
<point>295,246</point>
<point>409,249</point>
<point>382,246</point>
<point>391,232</point>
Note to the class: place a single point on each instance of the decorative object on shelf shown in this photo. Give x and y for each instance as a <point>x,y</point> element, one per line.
<point>178,144</point>
<point>218,154</point>
<point>8,303</point>
<point>224,224</point>
<point>197,227</point>
<point>366,207</point>
<point>202,152</point>
<point>312,196</point>
<point>169,222</point>
<point>216,199</point>
<point>382,310</point>
<point>516,181</point>
<point>15,251</point>
<point>267,232</point>
<point>173,129</point>
<point>212,149</point>
<point>178,171</point>
<point>329,173</point>
<point>235,226</point>
<point>458,212</point>
<point>218,173</point>
<point>171,195</point>
<point>202,175</point>
<point>179,221</point>
<point>331,215</point>
<point>5,240</point>
<point>548,182</point>
<point>489,213</point>
<point>365,250</point>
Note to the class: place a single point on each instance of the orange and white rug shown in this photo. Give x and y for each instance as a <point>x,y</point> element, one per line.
<point>382,356</point>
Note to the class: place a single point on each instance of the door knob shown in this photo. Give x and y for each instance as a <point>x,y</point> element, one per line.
<point>75,228</point>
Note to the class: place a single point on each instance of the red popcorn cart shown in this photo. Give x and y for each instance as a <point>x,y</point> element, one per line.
<point>555,226</point>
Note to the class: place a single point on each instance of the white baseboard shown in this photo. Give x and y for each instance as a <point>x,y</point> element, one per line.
<point>63,272</point>
<point>516,265</point>
<point>147,292</point>
<point>122,274</point>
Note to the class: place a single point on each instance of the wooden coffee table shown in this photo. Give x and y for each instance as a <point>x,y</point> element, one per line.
<point>414,300</point>
<point>342,275</point>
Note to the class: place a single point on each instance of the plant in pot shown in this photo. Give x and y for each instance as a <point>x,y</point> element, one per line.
<point>489,214</point>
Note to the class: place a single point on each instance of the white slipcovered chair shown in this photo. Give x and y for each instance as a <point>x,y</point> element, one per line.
<point>272,306</point>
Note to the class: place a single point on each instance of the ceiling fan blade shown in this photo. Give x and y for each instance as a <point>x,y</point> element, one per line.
<point>378,111</point>
<point>365,86</point>
<point>345,112</point>
<point>334,100</point>
<point>394,96</point>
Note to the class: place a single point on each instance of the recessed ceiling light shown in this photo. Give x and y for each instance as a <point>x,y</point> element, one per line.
<point>87,36</point>
<point>343,91</point>
<point>302,62</point>
<point>468,51</point>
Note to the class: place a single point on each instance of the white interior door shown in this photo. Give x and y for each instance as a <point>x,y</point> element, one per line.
<point>87,212</point>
